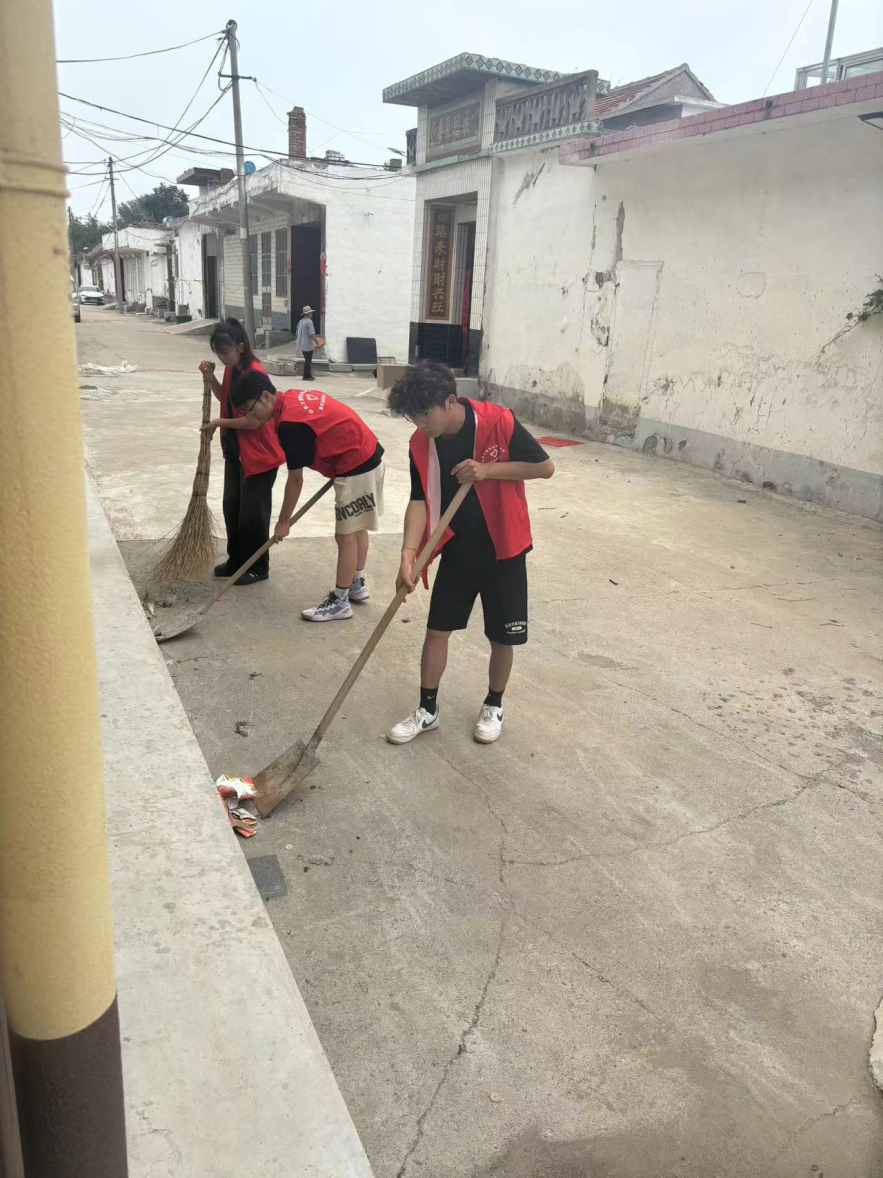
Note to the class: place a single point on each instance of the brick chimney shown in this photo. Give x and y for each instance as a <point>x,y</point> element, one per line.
<point>297,134</point>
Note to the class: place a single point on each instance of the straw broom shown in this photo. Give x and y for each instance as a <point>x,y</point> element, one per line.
<point>191,552</point>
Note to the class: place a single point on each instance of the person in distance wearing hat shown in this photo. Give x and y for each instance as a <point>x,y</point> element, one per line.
<point>307,340</point>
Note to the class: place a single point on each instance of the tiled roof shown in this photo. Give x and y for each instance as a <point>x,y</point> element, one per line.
<point>607,104</point>
<point>865,88</point>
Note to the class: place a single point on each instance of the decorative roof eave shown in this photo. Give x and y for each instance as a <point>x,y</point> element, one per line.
<point>420,88</point>
<point>550,137</point>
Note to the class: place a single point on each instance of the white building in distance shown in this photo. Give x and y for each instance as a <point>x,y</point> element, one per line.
<point>323,232</point>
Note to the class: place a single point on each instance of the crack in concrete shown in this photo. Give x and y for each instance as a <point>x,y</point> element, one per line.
<point>725,821</point>
<point>462,1049</point>
<point>813,782</point>
<point>593,969</point>
<point>692,719</point>
<point>714,731</point>
<point>807,1125</point>
<point>504,830</point>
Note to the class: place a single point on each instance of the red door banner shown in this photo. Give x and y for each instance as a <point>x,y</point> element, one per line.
<point>441,222</point>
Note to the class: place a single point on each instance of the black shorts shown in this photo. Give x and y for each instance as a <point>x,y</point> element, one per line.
<point>465,573</point>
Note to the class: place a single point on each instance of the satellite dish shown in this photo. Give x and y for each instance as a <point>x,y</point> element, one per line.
<point>249,167</point>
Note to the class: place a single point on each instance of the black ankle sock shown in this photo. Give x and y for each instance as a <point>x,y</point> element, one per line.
<point>429,699</point>
<point>494,698</point>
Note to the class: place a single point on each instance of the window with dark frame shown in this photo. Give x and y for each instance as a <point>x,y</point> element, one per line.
<point>266,260</point>
<point>281,263</point>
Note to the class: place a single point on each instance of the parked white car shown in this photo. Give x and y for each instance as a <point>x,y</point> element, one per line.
<point>91,294</point>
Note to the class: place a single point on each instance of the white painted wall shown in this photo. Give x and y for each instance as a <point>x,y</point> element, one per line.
<point>369,225</point>
<point>108,278</point>
<point>537,337</point>
<point>189,286</point>
<point>143,260</point>
<point>755,248</point>
<point>158,281</point>
<point>740,258</point>
<point>368,242</point>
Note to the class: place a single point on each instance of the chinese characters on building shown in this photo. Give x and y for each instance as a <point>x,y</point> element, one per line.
<point>441,222</point>
<point>454,131</point>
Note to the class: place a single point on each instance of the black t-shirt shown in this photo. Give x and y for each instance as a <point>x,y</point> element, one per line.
<point>230,437</point>
<point>298,442</point>
<point>469,523</point>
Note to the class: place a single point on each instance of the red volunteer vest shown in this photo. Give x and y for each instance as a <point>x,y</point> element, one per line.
<point>504,504</point>
<point>343,441</point>
<point>259,449</point>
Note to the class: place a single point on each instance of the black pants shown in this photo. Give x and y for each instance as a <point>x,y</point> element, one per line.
<point>308,365</point>
<point>248,506</point>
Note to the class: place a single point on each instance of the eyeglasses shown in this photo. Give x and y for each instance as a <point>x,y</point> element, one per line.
<point>419,419</point>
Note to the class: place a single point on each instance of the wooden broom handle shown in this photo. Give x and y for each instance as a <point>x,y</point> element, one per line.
<point>266,547</point>
<point>205,442</point>
<point>391,610</point>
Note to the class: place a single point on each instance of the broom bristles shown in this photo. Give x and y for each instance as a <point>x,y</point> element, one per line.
<point>191,553</point>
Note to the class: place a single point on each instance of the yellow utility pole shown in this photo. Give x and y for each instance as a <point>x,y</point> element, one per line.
<point>56,946</point>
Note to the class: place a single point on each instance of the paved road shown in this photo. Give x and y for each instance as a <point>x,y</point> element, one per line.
<point>640,935</point>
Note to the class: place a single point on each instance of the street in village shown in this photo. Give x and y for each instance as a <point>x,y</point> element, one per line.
<point>639,935</point>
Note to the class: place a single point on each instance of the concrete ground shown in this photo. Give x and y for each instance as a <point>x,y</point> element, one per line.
<point>638,937</point>
<point>196,953</point>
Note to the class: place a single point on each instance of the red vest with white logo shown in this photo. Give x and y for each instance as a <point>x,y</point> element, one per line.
<point>259,449</point>
<point>504,504</point>
<point>343,441</point>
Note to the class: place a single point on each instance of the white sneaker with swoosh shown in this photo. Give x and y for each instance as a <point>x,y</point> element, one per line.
<point>417,723</point>
<point>489,724</point>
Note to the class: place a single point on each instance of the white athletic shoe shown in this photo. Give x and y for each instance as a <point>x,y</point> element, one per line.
<point>359,590</point>
<point>410,729</point>
<point>489,724</point>
<point>332,609</point>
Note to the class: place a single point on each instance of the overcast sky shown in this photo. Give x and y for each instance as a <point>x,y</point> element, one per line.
<point>335,60</point>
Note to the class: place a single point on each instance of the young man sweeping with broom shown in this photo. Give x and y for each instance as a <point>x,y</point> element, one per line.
<point>315,430</point>
<point>483,553</point>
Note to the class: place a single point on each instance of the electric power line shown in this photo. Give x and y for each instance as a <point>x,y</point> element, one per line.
<point>267,153</point>
<point>102,196</point>
<point>313,115</point>
<point>168,143</point>
<point>787,47</point>
<point>130,56</point>
<point>260,89</point>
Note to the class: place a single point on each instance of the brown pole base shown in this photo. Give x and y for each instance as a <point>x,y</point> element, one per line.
<point>70,1102</point>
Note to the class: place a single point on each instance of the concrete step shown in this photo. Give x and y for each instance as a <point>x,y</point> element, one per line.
<point>194,327</point>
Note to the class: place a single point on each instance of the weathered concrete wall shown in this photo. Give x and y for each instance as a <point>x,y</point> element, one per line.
<point>540,294</point>
<point>718,274</point>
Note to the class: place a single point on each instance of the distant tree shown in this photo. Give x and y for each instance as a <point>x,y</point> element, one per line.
<point>166,200</point>
<point>87,232</point>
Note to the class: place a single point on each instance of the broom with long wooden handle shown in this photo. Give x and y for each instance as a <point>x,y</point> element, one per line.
<point>277,780</point>
<point>191,553</point>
